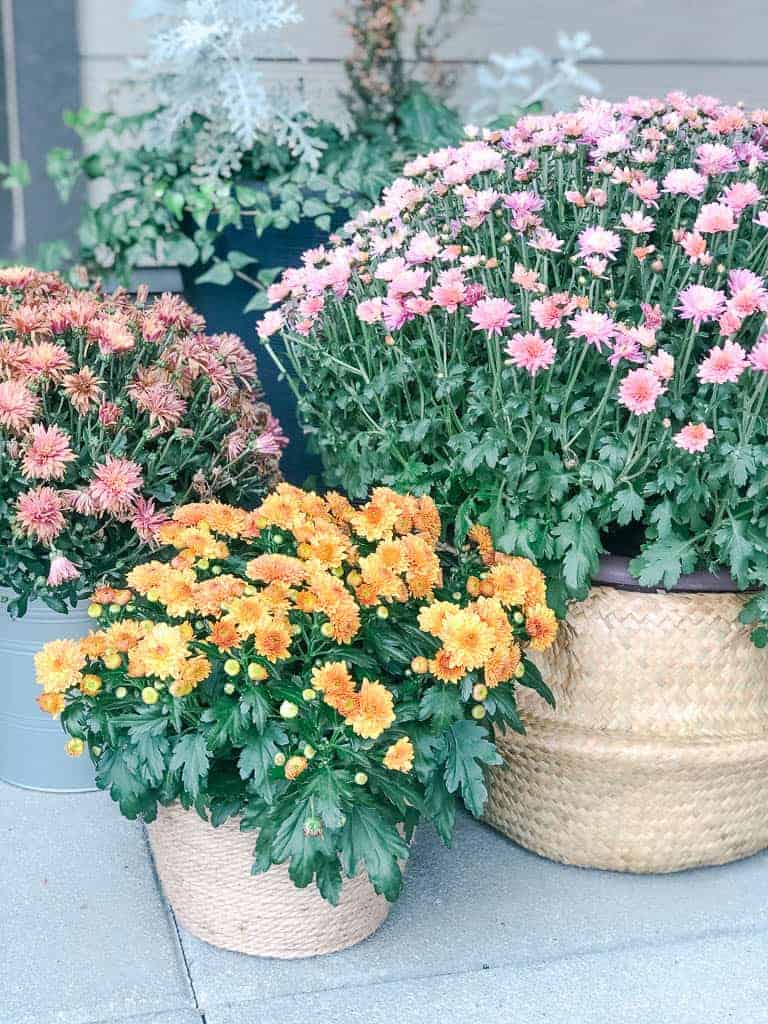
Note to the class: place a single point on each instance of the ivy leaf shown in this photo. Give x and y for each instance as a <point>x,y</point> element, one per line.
<point>441,704</point>
<point>369,839</point>
<point>467,749</point>
<point>191,755</point>
<point>220,273</point>
<point>664,561</point>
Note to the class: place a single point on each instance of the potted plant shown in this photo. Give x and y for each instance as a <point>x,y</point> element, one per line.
<point>111,412</point>
<point>232,174</point>
<point>559,330</point>
<point>311,679</point>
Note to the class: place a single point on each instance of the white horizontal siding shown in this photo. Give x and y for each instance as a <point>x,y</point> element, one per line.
<point>651,46</point>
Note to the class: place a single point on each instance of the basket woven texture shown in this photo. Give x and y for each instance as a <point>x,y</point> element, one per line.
<point>656,756</point>
<point>205,873</point>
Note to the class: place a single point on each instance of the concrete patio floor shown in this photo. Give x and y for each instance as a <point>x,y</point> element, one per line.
<point>487,933</point>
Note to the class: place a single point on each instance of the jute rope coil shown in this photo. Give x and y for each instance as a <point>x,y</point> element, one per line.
<point>656,756</point>
<point>206,877</point>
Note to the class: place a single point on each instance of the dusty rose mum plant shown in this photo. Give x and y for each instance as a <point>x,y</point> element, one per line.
<point>111,412</point>
<point>559,329</point>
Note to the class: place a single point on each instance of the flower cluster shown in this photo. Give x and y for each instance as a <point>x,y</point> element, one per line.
<point>559,329</point>
<point>111,411</point>
<point>326,672</point>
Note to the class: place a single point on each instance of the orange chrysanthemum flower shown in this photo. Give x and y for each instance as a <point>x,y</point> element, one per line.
<point>52,703</point>
<point>399,757</point>
<point>177,591</point>
<point>211,595</point>
<point>375,712</point>
<point>93,645</point>
<point>272,640</point>
<point>286,569</point>
<point>509,582</point>
<point>467,639</point>
<point>224,635</point>
<point>59,664</point>
<point>432,616</point>
<point>502,665</point>
<point>146,577</point>
<point>123,636</point>
<point>443,669</point>
<point>481,536</point>
<point>162,652</point>
<point>541,626</point>
<point>491,611</point>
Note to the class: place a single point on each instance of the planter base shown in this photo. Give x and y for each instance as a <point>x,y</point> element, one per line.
<point>32,752</point>
<point>206,877</point>
<point>641,805</point>
<point>655,758</point>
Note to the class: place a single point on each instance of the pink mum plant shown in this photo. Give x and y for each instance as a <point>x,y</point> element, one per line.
<point>111,413</point>
<point>591,369</point>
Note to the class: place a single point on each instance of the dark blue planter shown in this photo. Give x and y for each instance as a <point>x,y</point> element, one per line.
<point>222,307</point>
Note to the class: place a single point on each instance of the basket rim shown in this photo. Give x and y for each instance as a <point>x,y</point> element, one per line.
<point>614,572</point>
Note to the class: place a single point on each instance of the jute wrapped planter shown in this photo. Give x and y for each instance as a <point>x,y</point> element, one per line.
<point>656,756</point>
<point>206,876</point>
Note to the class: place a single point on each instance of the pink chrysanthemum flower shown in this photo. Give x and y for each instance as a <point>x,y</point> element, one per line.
<point>723,365</point>
<point>758,357</point>
<point>639,391</point>
<point>147,519</point>
<point>530,352</point>
<point>596,241</point>
<point>694,437</point>
<point>492,315</point>
<point>700,304</point>
<point>115,485</point>
<point>46,454</point>
<point>48,360</point>
<point>684,181</point>
<point>38,514</point>
<point>83,389</point>
<point>270,323</point>
<point>637,222</point>
<point>596,328</point>
<point>369,311</point>
<point>663,365</point>
<point>714,158</point>
<point>272,439</point>
<point>61,571</point>
<point>740,195</point>
<point>714,217</point>
<point>18,406</point>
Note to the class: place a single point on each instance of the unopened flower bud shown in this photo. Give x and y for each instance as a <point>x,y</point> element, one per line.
<point>150,695</point>
<point>288,709</point>
<point>279,759</point>
<point>257,672</point>
<point>361,778</point>
<point>309,752</point>
<point>478,712</point>
<point>309,694</point>
<point>419,664</point>
<point>479,691</point>
<point>112,660</point>
<point>74,747</point>
<point>232,667</point>
<point>327,629</point>
<point>520,671</point>
<point>313,827</point>
<point>94,610</point>
<point>121,692</point>
<point>229,689</point>
<point>382,611</point>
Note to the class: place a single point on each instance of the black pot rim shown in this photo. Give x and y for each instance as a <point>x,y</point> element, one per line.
<point>614,572</point>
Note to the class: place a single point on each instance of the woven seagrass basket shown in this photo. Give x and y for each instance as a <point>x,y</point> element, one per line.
<point>656,756</point>
<point>206,877</point>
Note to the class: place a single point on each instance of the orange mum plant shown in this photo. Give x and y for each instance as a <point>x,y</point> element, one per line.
<point>326,673</point>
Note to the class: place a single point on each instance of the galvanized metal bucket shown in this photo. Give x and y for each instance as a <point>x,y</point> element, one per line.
<point>31,743</point>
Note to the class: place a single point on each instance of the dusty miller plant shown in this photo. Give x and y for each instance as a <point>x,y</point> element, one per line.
<point>207,60</point>
<point>528,77</point>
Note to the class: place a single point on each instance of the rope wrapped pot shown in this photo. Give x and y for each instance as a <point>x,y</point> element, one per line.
<point>206,877</point>
<point>655,758</point>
